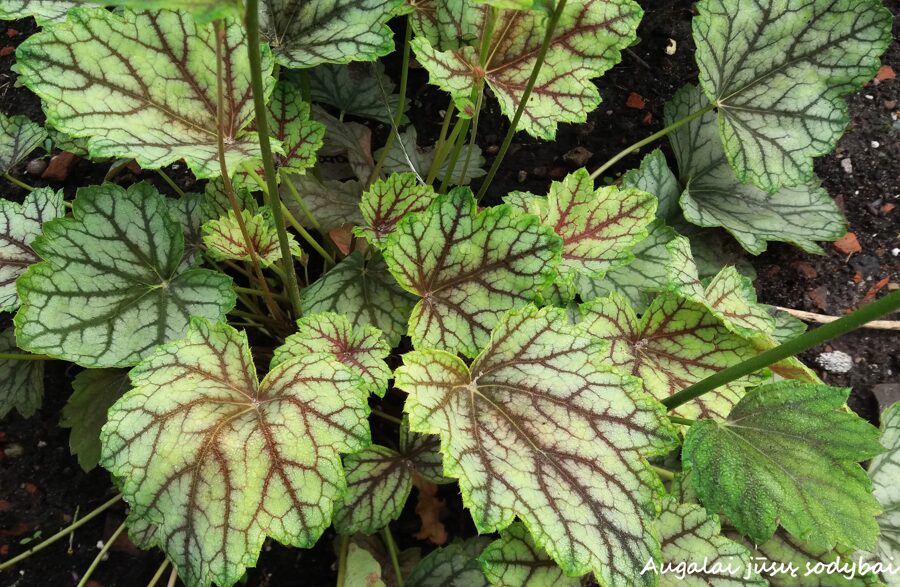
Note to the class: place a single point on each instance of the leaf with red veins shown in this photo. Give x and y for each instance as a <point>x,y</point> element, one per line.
<point>362,349</point>
<point>674,344</point>
<point>387,201</point>
<point>587,41</point>
<point>469,267</point>
<point>224,239</point>
<point>219,461</point>
<point>291,123</point>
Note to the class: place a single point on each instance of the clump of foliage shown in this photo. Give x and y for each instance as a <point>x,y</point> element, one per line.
<point>552,351</point>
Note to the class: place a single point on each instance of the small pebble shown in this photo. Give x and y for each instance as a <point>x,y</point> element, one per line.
<point>41,444</point>
<point>870,97</point>
<point>523,175</point>
<point>36,167</point>
<point>14,451</point>
<point>889,104</point>
<point>847,165</point>
<point>875,144</point>
<point>672,47</point>
<point>835,361</point>
<point>895,251</point>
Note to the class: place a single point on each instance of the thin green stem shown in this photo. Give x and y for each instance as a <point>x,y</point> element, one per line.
<point>343,546</point>
<point>306,236</point>
<point>392,552</point>
<point>655,136</point>
<point>100,555</point>
<point>262,129</point>
<point>301,203</point>
<point>62,533</point>
<point>255,292</point>
<point>805,341</point>
<point>386,416</point>
<point>454,158</point>
<point>680,420</point>
<point>664,474</point>
<point>226,177</point>
<point>171,182</point>
<point>398,116</point>
<point>532,79</point>
<point>15,181</point>
<point>173,578</point>
<point>159,573</point>
<point>445,128</point>
<point>440,155</point>
<point>23,357</point>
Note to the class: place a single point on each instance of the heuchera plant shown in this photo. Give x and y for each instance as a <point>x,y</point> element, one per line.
<point>603,400</point>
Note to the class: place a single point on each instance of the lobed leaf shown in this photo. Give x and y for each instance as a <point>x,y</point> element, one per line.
<point>90,73</point>
<point>119,261</point>
<point>20,224</point>
<point>787,455</point>
<point>468,268</point>
<point>713,196</point>
<point>777,72</point>
<point>305,34</point>
<point>514,560</point>
<point>535,428</point>
<point>290,122</point>
<point>219,461</point>
<point>21,381</point>
<point>331,203</point>
<point>225,241</point>
<point>884,471</point>
<point>356,89</point>
<point>19,136</point>
<point>454,564</point>
<point>675,343</point>
<point>44,11</point>
<point>94,391</point>
<point>387,201</point>
<point>586,43</point>
<point>655,177</point>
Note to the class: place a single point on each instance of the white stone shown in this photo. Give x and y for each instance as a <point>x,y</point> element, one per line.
<point>835,361</point>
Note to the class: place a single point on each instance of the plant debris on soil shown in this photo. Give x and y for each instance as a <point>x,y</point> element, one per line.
<point>42,488</point>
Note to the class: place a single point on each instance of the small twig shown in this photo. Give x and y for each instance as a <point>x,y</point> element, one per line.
<point>825,319</point>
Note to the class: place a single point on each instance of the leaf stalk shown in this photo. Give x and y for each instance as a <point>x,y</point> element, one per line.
<point>18,183</point>
<point>392,551</point>
<point>398,116</point>
<point>96,562</point>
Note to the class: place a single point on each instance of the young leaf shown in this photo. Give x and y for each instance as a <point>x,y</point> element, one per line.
<point>468,267</point>
<point>514,560</point>
<point>690,535</point>
<point>305,34</point>
<point>645,274</point>
<point>674,344</point>
<point>362,350</point>
<point>219,461</point>
<point>216,203</point>
<point>454,564</point>
<point>365,293</point>
<point>224,240</point>
<point>20,224</point>
<point>21,382</point>
<point>787,454</point>
<point>155,115</point>
<point>347,150</point>
<point>885,475</point>
<point>19,136</point>
<point>290,122</point>
<point>332,203</point>
<point>777,73</point>
<point>406,156</point>
<point>655,177</point>
<point>362,568</point>
<point>586,43</point>
<point>713,196</point>
<point>537,429</point>
<point>118,260</point>
<point>93,392</point>
<point>356,89</point>
<point>387,201</point>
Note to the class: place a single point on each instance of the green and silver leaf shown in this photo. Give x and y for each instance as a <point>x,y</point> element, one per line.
<point>364,292</point>
<point>219,461</point>
<point>655,177</point>
<point>204,11</point>
<point>514,560</point>
<point>884,471</point>
<point>788,455</point>
<point>468,268</point>
<point>361,349</point>
<point>155,115</point>
<point>453,565</point>
<point>119,261</point>
<point>19,136</point>
<point>777,72</point>
<point>387,201</point>
<point>675,343</point>
<point>356,89</point>
<point>94,391</point>
<point>305,34</point>
<point>20,224</point>
<point>713,196</point>
<point>290,122</point>
<point>378,484</point>
<point>586,43</point>
<point>21,380</point>
<point>44,11</point>
<point>537,428</point>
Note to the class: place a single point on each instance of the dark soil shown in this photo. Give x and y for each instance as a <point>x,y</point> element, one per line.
<point>41,489</point>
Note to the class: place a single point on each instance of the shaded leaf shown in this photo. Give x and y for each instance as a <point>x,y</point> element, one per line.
<point>93,392</point>
<point>155,115</point>
<point>20,224</point>
<point>655,177</point>
<point>361,349</point>
<point>363,291</point>
<point>537,429</point>
<point>778,71</point>
<point>787,455</point>
<point>19,136</point>
<point>454,564</point>
<point>219,461</point>
<point>406,156</point>
<point>347,150</point>
<point>119,261</point>
<point>713,196</point>
<point>586,43</point>
<point>884,471</point>
<point>378,483</point>
<point>675,343</point>
<point>387,201</point>
<point>305,34</point>
<point>468,268</point>
<point>363,570</point>
<point>356,89</point>
<point>21,381</point>
<point>516,561</point>
<point>332,203</point>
